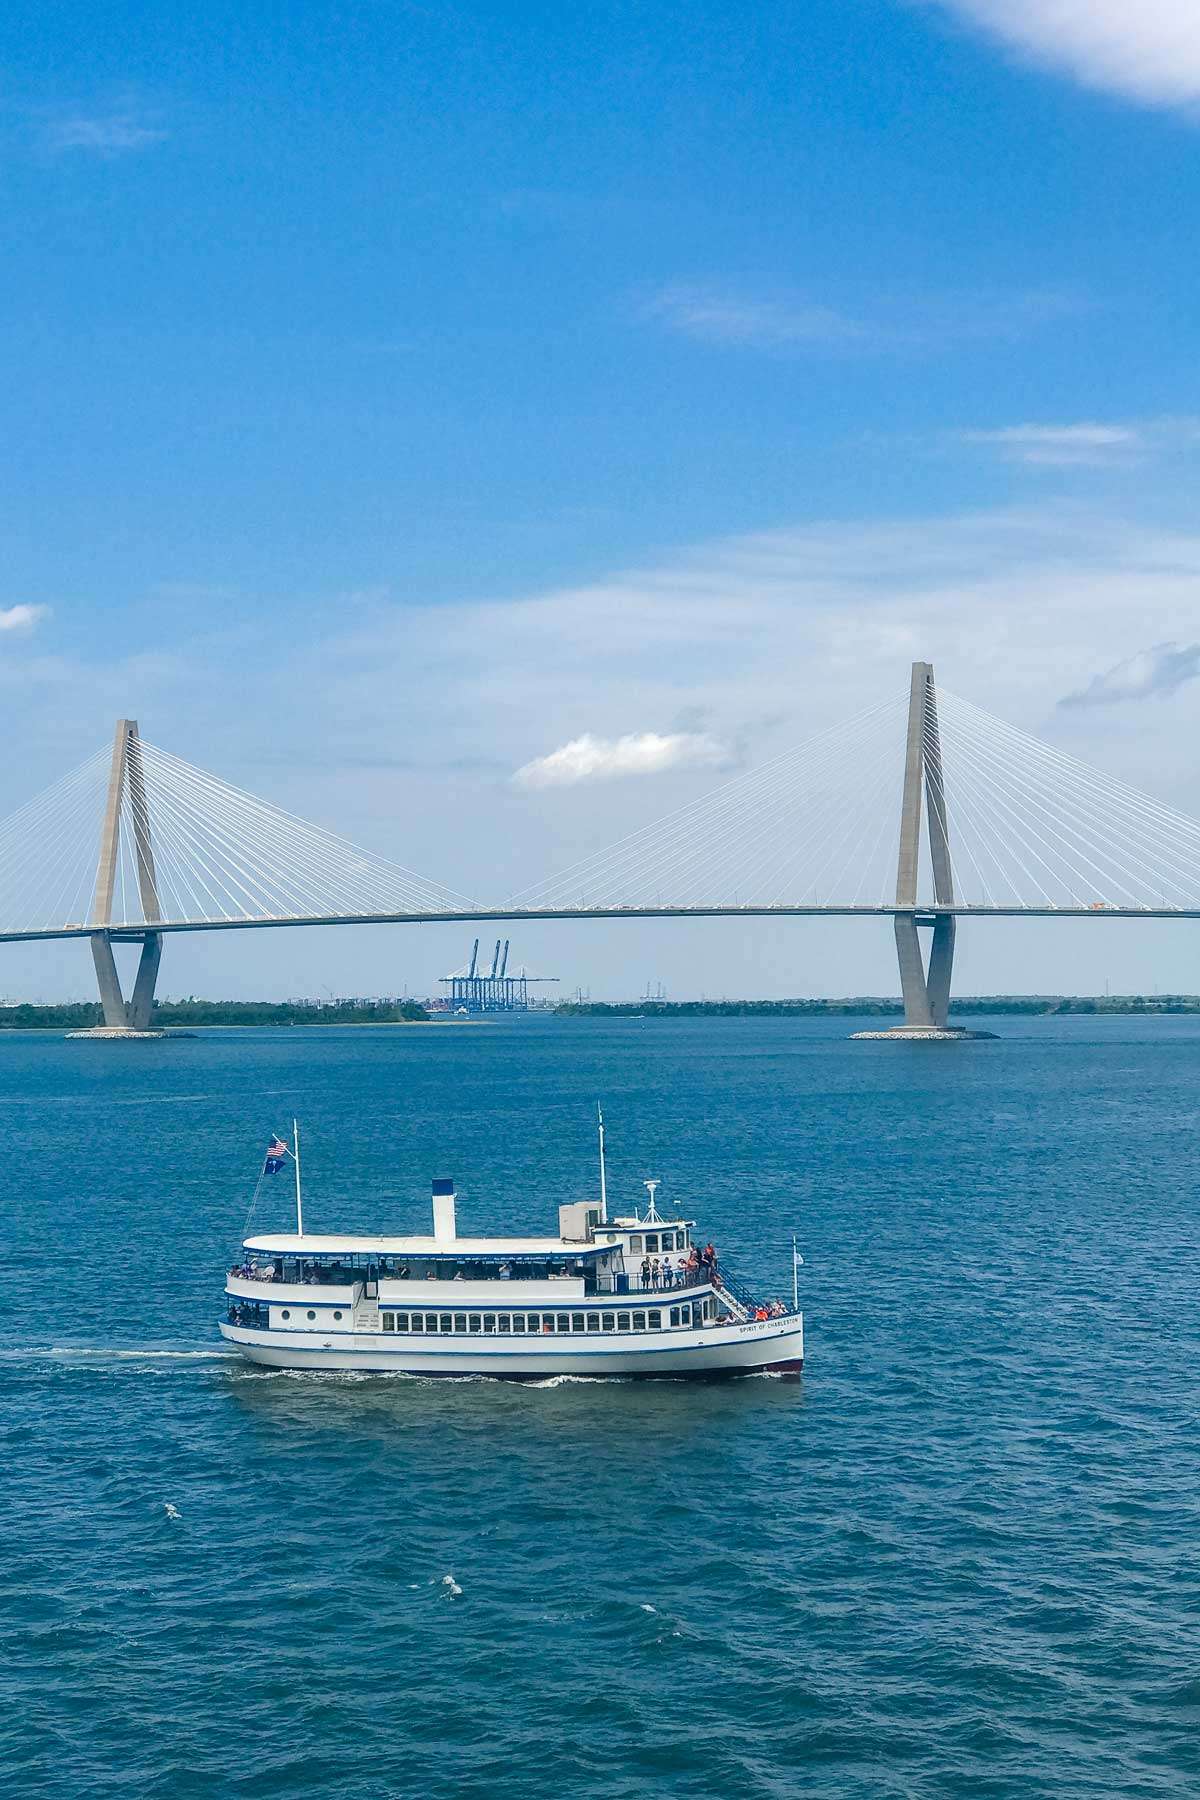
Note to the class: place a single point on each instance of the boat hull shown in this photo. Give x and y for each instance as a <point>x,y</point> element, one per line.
<point>773,1346</point>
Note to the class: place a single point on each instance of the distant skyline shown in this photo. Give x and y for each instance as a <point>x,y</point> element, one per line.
<point>481,429</point>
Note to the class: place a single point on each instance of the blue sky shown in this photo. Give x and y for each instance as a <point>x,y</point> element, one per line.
<point>395,395</point>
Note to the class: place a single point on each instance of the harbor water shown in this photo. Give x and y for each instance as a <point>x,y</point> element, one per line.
<point>958,1556</point>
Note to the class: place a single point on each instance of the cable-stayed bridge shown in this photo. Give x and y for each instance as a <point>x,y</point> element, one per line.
<point>924,809</point>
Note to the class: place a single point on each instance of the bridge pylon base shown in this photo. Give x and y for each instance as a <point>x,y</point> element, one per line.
<point>132,1017</point>
<point>926,990</point>
<point>915,1034</point>
<point>116,1031</point>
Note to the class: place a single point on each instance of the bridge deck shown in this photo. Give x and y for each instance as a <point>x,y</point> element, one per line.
<point>133,931</point>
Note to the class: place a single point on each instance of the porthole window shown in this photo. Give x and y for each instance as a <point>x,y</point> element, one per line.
<point>337,1315</point>
<point>285,1314</point>
<point>312,1315</point>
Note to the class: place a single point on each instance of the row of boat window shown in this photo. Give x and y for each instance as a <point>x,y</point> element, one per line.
<point>654,1241</point>
<point>539,1323</point>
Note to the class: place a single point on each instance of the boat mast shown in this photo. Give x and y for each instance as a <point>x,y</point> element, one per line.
<point>603,1185</point>
<point>296,1160</point>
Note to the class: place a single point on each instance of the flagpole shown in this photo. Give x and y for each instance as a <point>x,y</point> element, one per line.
<point>603,1188</point>
<point>795,1278</point>
<point>296,1160</point>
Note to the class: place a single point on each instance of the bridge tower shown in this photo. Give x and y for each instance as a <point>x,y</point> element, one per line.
<point>926,989</point>
<point>127,780</point>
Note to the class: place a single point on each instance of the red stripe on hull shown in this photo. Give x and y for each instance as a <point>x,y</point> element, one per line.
<point>785,1368</point>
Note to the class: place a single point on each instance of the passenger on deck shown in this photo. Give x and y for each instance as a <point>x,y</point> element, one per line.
<point>646,1271</point>
<point>655,1273</point>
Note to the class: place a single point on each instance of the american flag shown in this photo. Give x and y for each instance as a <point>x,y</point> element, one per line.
<point>277,1152</point>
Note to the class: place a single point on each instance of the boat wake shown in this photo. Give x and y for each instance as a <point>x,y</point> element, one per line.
<point>109,1353</point>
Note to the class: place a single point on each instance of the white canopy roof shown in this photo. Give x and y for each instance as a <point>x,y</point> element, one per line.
<point>288,1244</point>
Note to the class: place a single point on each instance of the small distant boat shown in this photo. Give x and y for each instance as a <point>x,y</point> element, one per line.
<point>637,1294</point>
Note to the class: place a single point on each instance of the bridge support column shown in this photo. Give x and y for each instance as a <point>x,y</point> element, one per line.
<point>109,982</point>
<point>126,798</point>
<point>941,967</point>
<point>925,989</point>
<point>137,1013</point>
<point>918,1012</point>
<point>141,1003</point>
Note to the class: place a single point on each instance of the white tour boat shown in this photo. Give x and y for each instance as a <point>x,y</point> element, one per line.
<point>634,1295</point>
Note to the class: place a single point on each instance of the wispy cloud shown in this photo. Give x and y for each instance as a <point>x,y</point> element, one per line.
<point>22,617</point>
<point>1061,446</point>
<point>1147,50</point>
<point>1088,444</point>
<point>1150,674</point>
<point>713,312</point>
<point>589,758</point>
<point>103,134</point>
<point>719,316</point>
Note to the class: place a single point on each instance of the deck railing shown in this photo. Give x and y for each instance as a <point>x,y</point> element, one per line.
<point>685,1284</point>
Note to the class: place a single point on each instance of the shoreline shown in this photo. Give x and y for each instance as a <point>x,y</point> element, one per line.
<point>1027,1006</point>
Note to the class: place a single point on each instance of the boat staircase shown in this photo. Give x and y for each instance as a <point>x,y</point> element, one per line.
<point>736,1298</point>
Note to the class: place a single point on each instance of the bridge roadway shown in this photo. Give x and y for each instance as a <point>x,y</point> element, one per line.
<point>924,915</point>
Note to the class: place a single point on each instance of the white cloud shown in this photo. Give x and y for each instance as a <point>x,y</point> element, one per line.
<point>1154,673</point>
<point>713,312</point>
<point>103,134</point>
<point>1148,50</point>
<point>719,316</point>
<point>767,639</point>
<point>1061,446</point>
<point>21,617</point>
<point>1088,444</point>
<point>589,758</point>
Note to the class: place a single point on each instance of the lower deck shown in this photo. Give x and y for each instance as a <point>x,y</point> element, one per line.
<point>425,1321</point>
<point>730,1346</point>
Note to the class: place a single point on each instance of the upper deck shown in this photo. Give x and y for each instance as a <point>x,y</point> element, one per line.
<point>590,1256</point>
